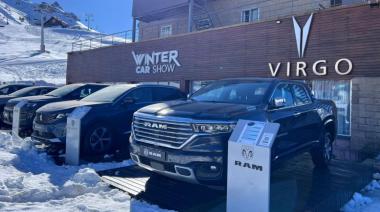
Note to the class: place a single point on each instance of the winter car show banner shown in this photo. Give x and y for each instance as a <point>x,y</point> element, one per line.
<point>249,166</point>
<point>73,135</point>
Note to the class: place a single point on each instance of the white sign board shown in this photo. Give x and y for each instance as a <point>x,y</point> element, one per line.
<point>16,119</point>
<point>249,166</point>
<point>73,135</point>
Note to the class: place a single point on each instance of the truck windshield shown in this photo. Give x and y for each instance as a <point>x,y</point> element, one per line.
<point>65,90</point>
<point>248,93</point>
<point>109,94</point>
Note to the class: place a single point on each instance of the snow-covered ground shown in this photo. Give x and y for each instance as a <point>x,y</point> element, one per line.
<point>31,181</point>
<point>368,200</point>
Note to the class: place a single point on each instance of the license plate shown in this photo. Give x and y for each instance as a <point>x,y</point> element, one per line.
<point>39,128</point>
<point>153,153</point>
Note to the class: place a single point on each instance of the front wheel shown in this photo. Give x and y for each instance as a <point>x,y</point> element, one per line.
<point>99,140</point>
<point>323,153</point>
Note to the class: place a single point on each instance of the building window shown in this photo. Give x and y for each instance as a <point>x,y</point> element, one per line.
<point>166,31</point>
<point>340,93</point>
<point>250,15</point>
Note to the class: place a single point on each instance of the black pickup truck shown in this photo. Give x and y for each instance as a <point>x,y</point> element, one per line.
<point>187,140</point>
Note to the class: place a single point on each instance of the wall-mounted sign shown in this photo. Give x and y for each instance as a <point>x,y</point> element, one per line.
<point>342,66</point>
<point>156,62</point>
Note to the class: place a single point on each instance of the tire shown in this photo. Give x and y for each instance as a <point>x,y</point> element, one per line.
<point>322,154</point>
<point>98,140</point>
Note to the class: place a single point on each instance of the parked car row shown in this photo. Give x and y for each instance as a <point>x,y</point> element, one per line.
<point>179,137</point>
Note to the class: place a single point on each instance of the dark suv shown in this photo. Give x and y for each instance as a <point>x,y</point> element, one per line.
<point>108,120</point>
<point>29,91</point>
<point>68,92</point>
<point>187,140</point>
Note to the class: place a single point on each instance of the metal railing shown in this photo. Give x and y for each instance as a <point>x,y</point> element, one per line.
<point>118,38</point>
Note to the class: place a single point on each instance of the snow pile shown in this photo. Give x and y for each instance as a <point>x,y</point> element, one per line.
<point>368,203</point>
<point>30,180</point>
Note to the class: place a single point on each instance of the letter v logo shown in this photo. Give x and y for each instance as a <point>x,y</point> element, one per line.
<point>302,35</point>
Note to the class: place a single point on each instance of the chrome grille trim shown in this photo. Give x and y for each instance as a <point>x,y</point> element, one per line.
<point>174,135</point>
<point>182,123</point>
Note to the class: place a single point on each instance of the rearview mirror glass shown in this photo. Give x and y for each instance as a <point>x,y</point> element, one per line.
<point>128,101</point>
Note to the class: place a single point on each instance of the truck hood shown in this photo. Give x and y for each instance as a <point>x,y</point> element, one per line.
<point>66,105</point>
<point>198,110</point>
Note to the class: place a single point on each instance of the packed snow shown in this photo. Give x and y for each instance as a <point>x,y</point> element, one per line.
<point>30,180</point>
<point>366,201</point>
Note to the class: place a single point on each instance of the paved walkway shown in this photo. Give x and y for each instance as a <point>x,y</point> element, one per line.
<point>296,186</point>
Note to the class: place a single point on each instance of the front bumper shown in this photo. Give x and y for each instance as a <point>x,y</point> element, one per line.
<point>49,134</point>
<point>206,167</point>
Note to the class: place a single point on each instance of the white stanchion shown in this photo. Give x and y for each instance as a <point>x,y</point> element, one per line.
<point>16,119</point>
<point>249,166</point>
<point>73,135</point>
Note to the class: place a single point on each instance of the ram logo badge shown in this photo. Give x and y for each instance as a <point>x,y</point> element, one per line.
<point>156,125</point>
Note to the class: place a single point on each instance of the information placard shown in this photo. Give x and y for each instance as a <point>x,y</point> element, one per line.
<point>73,135</point>
<point>16,119</point>
<point>249,166</point>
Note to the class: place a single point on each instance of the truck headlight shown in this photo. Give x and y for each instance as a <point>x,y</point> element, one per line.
<point>213,128</point>
<point>61,116</point>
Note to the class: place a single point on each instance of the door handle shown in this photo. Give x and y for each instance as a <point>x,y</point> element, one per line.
<point>297,114</point>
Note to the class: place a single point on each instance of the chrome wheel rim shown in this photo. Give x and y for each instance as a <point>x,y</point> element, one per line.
<point>100,140</point>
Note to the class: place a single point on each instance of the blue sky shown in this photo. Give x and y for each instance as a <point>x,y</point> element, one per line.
<point>110,16</point>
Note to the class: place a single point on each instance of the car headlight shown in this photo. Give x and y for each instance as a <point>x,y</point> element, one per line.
<point>61,116</point>
<point>213,128</point>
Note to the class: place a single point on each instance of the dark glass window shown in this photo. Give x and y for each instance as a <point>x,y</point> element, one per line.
<point>284,91</point>
<point>141,95</point>
<point>165,94</point>
<point>300,95</point>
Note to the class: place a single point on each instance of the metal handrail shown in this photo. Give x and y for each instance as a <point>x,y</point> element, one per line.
<point>117,38</point>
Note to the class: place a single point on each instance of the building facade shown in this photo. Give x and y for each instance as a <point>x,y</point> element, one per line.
<point>334,48</point>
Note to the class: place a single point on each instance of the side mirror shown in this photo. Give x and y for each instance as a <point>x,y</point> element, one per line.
<point>279,103</point>
<point>188,96</point>
<point>128,101</point>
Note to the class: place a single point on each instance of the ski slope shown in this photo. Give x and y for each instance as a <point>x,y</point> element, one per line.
<point>20,58</point>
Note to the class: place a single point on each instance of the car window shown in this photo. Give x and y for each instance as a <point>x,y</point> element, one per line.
<point>165,94</point>
<point>34,92</point>
<point>284,91</point>
<point>4,91</point>
<point>84,91</point>
<point>45,91</point>
<point>300,95</point>
<point>141,95</point>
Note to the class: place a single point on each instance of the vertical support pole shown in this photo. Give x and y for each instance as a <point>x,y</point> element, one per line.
<point>190,19</point>
<point>134,30</point>
<point>42,48</point>
<point>185,86</point>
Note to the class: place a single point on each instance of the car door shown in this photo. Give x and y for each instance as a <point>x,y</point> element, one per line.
<point>141,96</point>
<point>307,121</point>
<point>285,140</point>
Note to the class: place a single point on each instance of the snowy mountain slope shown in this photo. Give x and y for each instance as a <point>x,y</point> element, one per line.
<point>20,59</point>
<point>32,14</point>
